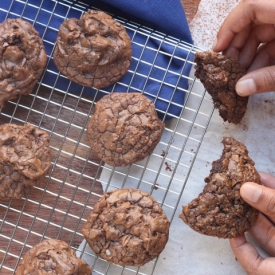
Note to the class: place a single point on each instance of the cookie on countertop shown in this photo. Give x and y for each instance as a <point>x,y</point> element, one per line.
<point>219,210</point>
<point>22,58</point>
<point>219,75</point>
<point>124,128</point>
<point>52,257</point>
<point>24,159</point>
<point>127,227</point>
<point>94,51</point>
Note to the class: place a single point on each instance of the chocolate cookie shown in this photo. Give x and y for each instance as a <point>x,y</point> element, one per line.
<point>22,58</point>
<point>24,159</point>
<point>220,211</point>
<point>124,128</point>
<point>219,75</point>
<point>52,257</point>
<point>93,51</point>
<point>127,227</point>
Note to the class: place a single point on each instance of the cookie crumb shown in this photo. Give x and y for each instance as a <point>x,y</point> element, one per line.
<point>156,186</point>
<point>168,167</point>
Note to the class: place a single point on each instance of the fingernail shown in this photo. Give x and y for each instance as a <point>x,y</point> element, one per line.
<point>246,87</point>
<point>214,43</point>
<point>251,192</point>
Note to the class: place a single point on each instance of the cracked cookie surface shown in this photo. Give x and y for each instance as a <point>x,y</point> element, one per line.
<point>94,51</point>
<point>219,75</point>
<point>124,128</point>
<point>219,210</point>
<point>24,158</point>
<point>127,227</point>
<point>52,257</point>
<point>22,58</point>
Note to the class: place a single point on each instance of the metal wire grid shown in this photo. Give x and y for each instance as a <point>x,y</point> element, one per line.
<point>58,207</point>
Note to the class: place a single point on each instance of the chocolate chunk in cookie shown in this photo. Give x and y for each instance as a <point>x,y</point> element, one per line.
<point>219,75</point>
<point>220,211</point>
<point>22,58</point>
<point>94,51</point>
<point>24,159</point>
<point>127,227</point>
<point>52,257</point>
<point>124,128</point>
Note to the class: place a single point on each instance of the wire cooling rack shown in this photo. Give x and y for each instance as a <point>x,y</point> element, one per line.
<point>58,207</point>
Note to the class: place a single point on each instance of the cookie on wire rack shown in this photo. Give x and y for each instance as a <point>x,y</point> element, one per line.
<point>124,128</point>
<point>24,159</point>
<point>52,257</point>
<point>22,58</point>
<point>94,51</point>
<point>127,227</point>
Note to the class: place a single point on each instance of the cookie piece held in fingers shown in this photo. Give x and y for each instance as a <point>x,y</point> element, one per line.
<point>219,210</point>
<point>24,159</point>
<point>219,75</point>
<point>127,227</point>
<point>124,128</point>
<point>94,51</point>
<point>52,257</point>
<point>22,58</point>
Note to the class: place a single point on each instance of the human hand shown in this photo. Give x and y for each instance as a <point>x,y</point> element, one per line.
<point>248,35</point>
<point>263,230</point>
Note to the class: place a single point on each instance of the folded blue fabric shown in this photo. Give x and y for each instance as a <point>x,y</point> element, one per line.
<point>158,68</point>
<point>168,17</point>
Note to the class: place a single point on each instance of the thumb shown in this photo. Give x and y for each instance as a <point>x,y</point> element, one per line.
<point>258,81</point>
<point>260,197</point>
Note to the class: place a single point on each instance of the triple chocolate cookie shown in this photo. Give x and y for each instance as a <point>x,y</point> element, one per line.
<point>127,227</point>
<point>52,257</point>
<point>22,58</point>
<point>219,210</point>
<point>93,51</point>
<point>219,75</point>
<point>24,159</point>
<point>124,128</point>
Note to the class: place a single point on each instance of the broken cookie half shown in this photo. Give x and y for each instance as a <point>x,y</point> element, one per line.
<point>219,75</point>
<point>219,210</point>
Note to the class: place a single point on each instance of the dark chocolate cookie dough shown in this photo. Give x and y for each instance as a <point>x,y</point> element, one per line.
<point>93,51</point>
<point>22,58</point>
<point>127,227</point>
<point>219,75</point>
<point>24,159</point>
<point>52,257</point>
<point>124,128</point>
<point>220,211</point>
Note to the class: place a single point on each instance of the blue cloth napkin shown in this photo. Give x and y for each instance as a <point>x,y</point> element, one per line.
<point>166,16</point>
<point>158,68</point>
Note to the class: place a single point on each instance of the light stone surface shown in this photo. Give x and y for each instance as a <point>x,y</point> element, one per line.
<point>208,19</point>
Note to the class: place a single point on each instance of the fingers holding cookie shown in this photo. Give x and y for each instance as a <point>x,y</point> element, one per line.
<point>260,197</point>
<point>249,257</point>
<point>263,233</point>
